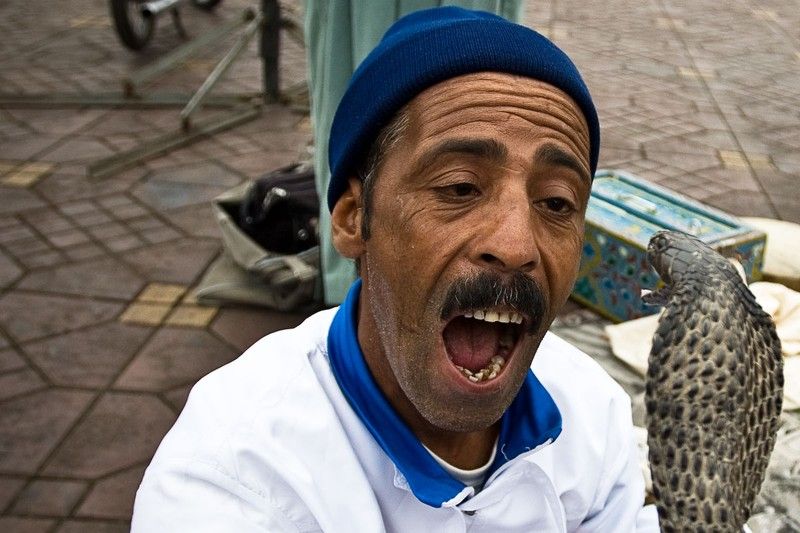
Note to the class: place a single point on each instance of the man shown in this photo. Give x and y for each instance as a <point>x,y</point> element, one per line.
<point>461,158</point>
<point>338,36</point>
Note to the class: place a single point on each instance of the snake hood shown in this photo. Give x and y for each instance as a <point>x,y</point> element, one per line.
<point>681,259</point>
<point>713,390</point>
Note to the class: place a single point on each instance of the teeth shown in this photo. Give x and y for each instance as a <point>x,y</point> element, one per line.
<point>490,371</point>
<point>495,316</point>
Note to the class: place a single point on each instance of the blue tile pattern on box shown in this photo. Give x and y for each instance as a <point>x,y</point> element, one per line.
<point>623,213</point>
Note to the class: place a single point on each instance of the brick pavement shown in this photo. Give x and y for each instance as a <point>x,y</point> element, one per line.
<point>100,338</point>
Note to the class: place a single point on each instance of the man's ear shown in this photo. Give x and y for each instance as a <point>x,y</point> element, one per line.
<point>346,220</point>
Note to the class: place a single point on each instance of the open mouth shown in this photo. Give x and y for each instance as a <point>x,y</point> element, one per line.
<point>480,343</point>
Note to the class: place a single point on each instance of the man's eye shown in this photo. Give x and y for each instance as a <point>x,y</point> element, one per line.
<point>558,205</point>
<point>461,190</point>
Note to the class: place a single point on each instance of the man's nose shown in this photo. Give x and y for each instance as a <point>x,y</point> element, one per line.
<point>509,242</point>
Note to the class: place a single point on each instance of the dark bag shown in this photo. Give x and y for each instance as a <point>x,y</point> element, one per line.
<point>281,209</point>
<point>269,233</point>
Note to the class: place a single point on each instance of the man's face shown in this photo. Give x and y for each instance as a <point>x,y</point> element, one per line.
<point>484,194</point>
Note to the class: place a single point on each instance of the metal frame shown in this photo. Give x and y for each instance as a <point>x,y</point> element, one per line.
<point>220,69</point>
<point>108,166</point>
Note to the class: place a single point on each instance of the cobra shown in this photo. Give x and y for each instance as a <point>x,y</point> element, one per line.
<point>713,390</point>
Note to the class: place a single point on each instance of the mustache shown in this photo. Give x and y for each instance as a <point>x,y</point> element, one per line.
<point>520,293</point>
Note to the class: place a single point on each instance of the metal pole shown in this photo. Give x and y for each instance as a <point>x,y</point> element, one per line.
<point>270,47</point>
<point>117,100</point>
<point>219,71</point>
<point>181,54</point>
<point>168,142</point>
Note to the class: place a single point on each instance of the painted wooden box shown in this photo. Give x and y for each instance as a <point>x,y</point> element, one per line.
<point>624,212</point>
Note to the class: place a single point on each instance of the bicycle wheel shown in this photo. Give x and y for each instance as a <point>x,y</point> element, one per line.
<point>133,29</point>
<point>208,5</point>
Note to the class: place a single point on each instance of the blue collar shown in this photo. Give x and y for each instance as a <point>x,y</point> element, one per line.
<point>532,418</point>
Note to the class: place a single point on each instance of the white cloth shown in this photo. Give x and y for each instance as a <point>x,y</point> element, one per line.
<point>269,443</point>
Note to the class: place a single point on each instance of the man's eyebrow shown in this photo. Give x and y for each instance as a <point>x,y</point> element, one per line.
<point>551,154</point>
<point>489,149</point>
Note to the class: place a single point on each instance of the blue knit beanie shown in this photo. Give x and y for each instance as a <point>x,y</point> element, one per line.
<point>430,46</point>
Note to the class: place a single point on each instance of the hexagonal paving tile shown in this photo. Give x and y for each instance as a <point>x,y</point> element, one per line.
<point>121,430</point>
<point>113,496</point>
<point>31,426</point>
<point>105,277</point>
<point>179,261</point>
<point>31,316</point>
<point>9,271</point>
<point>49,497</point>
<point>90,357</point>
<point>173,357</point>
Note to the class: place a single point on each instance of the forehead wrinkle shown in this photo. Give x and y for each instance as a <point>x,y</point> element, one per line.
<point>554,108</point>
<point>552,154</point>
<point>489,149</point>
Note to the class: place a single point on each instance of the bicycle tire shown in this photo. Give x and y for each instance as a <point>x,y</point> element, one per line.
<point>133,30</point>
<point>206,5</point>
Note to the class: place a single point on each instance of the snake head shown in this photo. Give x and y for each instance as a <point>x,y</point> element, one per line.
<point>660,252</point>
<point>679,258</point>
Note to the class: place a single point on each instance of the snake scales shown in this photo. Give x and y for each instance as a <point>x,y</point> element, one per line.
<point>713,390</point>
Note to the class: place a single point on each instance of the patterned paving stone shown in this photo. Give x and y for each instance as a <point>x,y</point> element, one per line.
<point>123,243</point>
<point>31,426</point>
<point>84,251</point>
<point>24,247</point>
<point>78,149</point>
<point>197,221</point>
<point>19,382</point>
<point>9,271</point>
<point>174,356</point>
<point>49,497</point>
<point>163,293</point>
<point>72,237</point>
<point>145,314</point>
<point>179,261</point>
<point>61,186</point>
<point>203,174</point>
<point>94,526</point>
<point>32,316</point>
<point>26,525</point>
<point>26,175</point>
<point>46,221</point>
<point>88,358</point>
<point>736,203</point>
<point>121,430</point>
<point>10,360</point>
<point>113,496</point>
<point>42,259</point>
<point>177,397</point>
<point>257,164</point>
<point>16,200</point>
<point>9,487</point>
<point>58,121</point>
<point>105,277</point>
<point>26,147</point>
<point>242,327</point>
<point>164,195</point>
<point>193,316</point>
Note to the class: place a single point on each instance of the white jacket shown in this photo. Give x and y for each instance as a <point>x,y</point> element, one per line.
<point>270,443</point>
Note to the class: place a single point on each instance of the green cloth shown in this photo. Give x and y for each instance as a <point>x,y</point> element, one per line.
<point>339,35</point>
